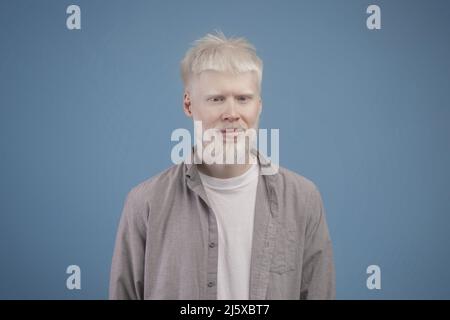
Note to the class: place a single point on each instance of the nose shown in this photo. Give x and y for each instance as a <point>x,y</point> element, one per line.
<point>230,113</point>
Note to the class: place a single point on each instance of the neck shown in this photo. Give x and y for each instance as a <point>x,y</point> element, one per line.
<point>223,171</point>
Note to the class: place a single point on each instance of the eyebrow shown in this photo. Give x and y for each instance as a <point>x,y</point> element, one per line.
<point>208,96</point>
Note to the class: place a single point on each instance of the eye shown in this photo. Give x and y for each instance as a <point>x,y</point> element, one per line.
<point>216,99</point>
<point>244,99</point>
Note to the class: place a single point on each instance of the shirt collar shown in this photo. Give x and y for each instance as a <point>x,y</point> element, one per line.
<point>268,171</point>
<point>267,167</point>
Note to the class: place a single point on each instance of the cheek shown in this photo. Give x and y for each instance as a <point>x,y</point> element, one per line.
<point>250,115</point>
<point>208,118</point>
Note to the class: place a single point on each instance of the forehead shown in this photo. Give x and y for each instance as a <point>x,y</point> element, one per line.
<point>211,81</point>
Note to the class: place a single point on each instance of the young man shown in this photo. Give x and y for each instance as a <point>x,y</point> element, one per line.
<point>223,230</point>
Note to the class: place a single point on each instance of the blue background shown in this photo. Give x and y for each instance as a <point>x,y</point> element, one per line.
<point>87,114</point>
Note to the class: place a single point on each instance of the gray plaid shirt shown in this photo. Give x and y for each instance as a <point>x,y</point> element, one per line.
<point>167,240</point>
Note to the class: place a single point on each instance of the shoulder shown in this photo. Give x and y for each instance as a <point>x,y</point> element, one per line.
<point>295,183</point>
<point>152,189</point>
<point>297,194</point>
<point>156,184</point>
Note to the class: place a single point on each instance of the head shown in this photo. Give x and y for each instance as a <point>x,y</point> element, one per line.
<point>222,83</point>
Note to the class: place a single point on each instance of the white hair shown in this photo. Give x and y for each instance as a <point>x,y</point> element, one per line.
<point>218,53</point>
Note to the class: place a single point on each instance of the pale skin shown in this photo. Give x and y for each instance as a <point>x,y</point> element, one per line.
<point>223,100</point>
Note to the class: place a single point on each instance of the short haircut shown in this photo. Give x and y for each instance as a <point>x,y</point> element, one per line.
<point>219,53</point>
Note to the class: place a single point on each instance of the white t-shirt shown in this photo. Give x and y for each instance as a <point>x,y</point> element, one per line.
<point>233,202</point>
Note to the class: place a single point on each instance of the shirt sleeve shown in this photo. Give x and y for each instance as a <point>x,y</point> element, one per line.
<point>127,269</point>
<point>318,274</point>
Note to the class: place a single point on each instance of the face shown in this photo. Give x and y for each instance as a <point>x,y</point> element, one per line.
<point>224,101</point>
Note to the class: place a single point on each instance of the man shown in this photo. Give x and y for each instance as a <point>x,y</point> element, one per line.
<point>220,230</point>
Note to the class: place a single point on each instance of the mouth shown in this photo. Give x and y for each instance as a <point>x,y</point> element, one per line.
<point>231,133</point>
<point>231,130</point>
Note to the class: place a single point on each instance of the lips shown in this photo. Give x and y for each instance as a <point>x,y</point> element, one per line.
<point>231,130</point>
<point>231,134</point>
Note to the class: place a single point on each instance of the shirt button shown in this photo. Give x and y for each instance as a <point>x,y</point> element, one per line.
<point>212,244</point>
<point>210,284</point>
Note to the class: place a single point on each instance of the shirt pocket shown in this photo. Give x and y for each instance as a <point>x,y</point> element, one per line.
<point>285,250</point>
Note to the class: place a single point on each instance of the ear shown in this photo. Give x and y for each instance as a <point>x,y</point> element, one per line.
<point>187,104</point>
<point>260,106</point>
